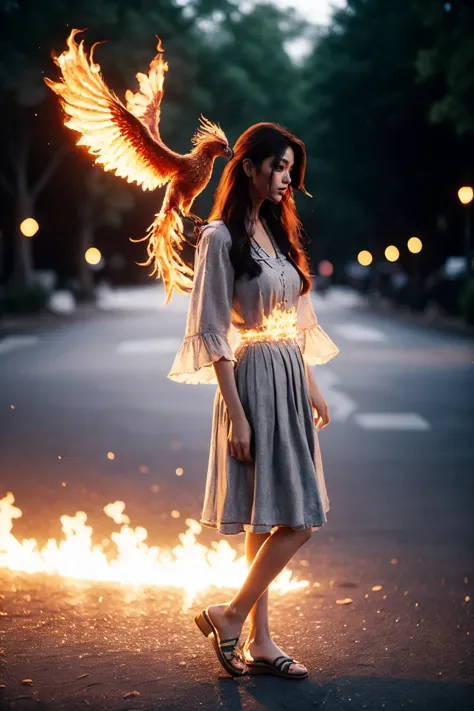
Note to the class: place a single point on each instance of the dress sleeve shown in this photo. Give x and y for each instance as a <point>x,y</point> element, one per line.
<point>208,325</point>
<point>316,346</point>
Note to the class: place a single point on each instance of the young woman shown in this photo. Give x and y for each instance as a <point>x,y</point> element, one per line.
<point>252,330</point>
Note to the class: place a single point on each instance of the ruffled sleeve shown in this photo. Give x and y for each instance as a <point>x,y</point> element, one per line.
<point>316,346</point>
<point>208,325</point>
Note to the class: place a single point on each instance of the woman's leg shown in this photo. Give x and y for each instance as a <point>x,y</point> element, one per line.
<point>270,559</point>
<point>258,615</point>
<point>259,642</point>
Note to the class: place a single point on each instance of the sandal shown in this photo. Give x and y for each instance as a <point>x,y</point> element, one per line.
<point>225,649</point>
<point>279,667</point>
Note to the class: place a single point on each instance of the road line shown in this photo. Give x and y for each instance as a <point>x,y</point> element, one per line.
<point>362,334</point>
<point>341,405</point>
<point>149,345</point>
<point>141,298</point>
<point>392,421</point>
<point>12,343</point>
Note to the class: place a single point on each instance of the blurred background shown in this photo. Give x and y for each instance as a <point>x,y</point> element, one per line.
<point>382,93</point>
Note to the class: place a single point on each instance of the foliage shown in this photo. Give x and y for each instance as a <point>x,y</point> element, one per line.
<point>380,172</point>
<point>448,60</point>
<point>28,300</point>
<point>364,102</point>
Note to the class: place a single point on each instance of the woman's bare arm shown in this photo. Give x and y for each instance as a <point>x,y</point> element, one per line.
<point>225,377</point>
<point>317,399</point>
<point>313,387</point>
<point>240,432</point>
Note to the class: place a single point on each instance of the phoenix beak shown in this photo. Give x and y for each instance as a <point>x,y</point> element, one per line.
<point>230,152</point>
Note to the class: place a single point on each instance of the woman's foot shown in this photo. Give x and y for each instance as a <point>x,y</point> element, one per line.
<point>268,650</point>
<point>228,626</point>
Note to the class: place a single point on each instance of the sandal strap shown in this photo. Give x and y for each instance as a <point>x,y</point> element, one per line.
<point>228,649</point>
<point>283,663</point>
<point>229,642</point>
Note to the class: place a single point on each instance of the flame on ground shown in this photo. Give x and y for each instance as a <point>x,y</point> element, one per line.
<point>189,566</point>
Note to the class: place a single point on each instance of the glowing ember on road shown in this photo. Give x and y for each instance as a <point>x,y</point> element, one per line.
<point>189,566</point>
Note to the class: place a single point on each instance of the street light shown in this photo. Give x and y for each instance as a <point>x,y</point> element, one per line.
<point>92,256</point>
<point>364,258</point>
<point>414,245</point>
<point>465,195</point>
<point>392,253</point>
<point>29,227</point>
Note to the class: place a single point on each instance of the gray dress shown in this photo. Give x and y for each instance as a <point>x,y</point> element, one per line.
<point>284,485</point>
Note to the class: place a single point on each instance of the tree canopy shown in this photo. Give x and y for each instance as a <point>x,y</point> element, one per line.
<point>384,102</point>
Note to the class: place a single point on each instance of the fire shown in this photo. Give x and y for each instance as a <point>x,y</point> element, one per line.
<point>281,323</point>
<point>165,240</point>
<point>189,566</point>
<point>95,112</point>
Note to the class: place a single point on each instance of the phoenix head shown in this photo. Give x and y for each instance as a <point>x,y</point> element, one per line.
<point>212,138</point>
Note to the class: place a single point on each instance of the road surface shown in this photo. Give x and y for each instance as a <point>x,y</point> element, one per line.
<point>384,621</point>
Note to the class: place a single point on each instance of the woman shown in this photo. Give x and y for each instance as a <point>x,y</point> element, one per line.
<point>251,328</point>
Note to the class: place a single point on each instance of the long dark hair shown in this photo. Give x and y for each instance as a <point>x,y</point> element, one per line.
<point>232,199</point>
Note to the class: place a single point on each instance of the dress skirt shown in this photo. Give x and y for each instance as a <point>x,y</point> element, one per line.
<point>284,486</point>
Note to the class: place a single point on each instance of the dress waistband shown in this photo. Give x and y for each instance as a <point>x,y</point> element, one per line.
<point>280,325</point>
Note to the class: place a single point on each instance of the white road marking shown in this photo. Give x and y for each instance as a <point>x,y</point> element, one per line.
<point>392,421</point>
<point>149,345</point>
<point>341,406</point>
<point>337,298</point>
<point>12,343</point>
<point>356,332</point>
<point>150,297</point>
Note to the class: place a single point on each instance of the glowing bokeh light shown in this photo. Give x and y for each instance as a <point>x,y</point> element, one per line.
<point>29,227</point>
<point>415,245</point>
<point>465,194</point>
<point>92,255</point>
<point>364,258</point>
<point>392,253</point>
<point>326,269</point>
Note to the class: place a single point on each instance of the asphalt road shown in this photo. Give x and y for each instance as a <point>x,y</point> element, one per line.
<point>399,465</point>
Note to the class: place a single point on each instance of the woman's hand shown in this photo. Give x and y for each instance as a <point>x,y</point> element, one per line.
<point>322,418</point>
<point>240,437</point>
<point>240,432</point>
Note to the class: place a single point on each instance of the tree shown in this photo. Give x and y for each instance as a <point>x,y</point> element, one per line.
<point>104,202</point>
<point>379,170</point>
<point>33,147</point>
<point>229,64</point>
<point>448,61</point>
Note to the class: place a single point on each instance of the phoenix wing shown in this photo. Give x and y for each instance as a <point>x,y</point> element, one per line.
<point>123,140</point>
<point>145,103</point>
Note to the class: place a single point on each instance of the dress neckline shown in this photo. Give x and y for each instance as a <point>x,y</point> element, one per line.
<point>277,251</point>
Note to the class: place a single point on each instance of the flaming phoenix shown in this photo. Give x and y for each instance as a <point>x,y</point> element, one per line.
<point>126,140</point>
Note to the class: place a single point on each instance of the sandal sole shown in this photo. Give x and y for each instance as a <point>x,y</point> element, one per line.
<point>264,669</point>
